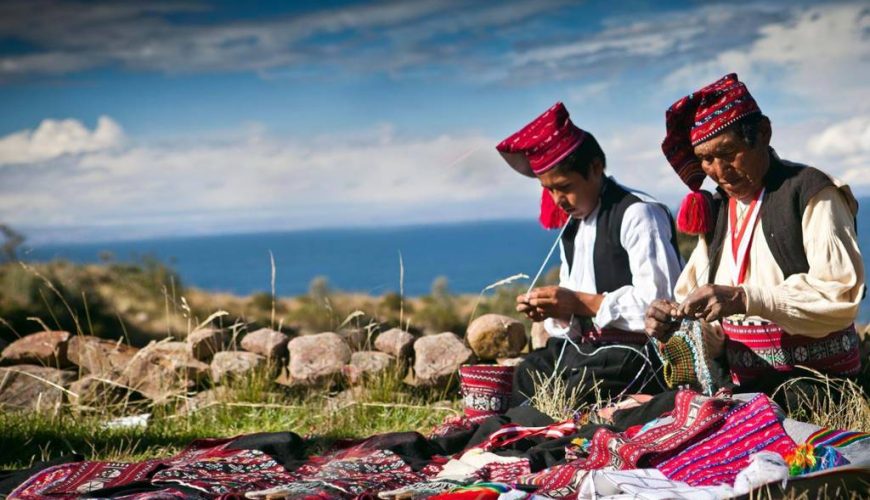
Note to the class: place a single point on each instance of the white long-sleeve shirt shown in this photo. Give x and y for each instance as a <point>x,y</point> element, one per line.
<point>655,266</point>
<point>822,300</point>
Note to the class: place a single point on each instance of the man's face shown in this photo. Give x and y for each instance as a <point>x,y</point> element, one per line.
<point>736,167</point>
<point>573,193</point>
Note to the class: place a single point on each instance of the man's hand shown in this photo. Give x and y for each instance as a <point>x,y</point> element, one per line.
<point>662,318</point>
<point>557,302</point>
<point>529,310</point>
<point>713,302</point>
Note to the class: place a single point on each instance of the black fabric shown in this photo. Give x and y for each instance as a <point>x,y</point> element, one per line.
<point>11,479</point>
<point>141,487</point>
<point>654,408</point>
<point>526,416</point>
<point>789,187</point>
<point>613,368</point>
<point>455,441</point>
<point>412,447</point>
<point>612,268</point>
<point>541,452</point>
<point>568,236</point>
<point>285,447</point>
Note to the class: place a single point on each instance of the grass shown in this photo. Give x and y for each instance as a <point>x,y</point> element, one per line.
<point>255,404</point>
<point>148,302</point>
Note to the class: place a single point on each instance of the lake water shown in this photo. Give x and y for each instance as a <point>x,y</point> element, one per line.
<point>470,255</point>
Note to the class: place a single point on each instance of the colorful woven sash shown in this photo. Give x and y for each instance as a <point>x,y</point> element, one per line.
<point>755,348</point>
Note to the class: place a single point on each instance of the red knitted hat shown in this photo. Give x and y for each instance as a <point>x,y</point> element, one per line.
<point>541,144</point>
<point>692,120</point>
<point>538,147</point>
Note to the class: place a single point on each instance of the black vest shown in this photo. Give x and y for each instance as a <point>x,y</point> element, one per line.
<point>612,269</point>
<point>788,189</point>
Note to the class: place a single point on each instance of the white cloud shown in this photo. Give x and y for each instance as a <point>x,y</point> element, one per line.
<point>581,94</point>
<point>819,54</point>
<point>260,181</point>
<point>846,145</point>
<point>54,138</point>
<point>392,36</point>
<point>848,138</point>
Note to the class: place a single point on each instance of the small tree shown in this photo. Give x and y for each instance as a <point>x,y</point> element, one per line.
<point>12,239</point>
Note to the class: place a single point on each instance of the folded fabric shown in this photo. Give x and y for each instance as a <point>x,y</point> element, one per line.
<point>648,484</point>
<point>693,416</point>
<point>478,465</point>
<point>559,481</point>
<point>478,491</point>
<point>718,457</point>
<point>764,467</point>
<point>424,489</point>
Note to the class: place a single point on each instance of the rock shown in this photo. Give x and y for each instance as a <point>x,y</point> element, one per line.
<point>47,348</point>
<point>356,338</point>
<point>366,363</point>
<point>266,342</point>
<point>437,357</point>
<point>494,336</point>
<point>204,343</point>
<point>230,364</point>
<point>29,387</point>
<point>395,342</point>
<point>539,335</point>
<point>204,399</point>
<point>99,356</point>
<point>344,399</point>
<point>162,369</point>
<point>314,357</point>
<point>98,392</point>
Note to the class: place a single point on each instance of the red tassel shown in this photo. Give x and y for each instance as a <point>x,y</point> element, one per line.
<point>695,215</point>
<point>552,217</point>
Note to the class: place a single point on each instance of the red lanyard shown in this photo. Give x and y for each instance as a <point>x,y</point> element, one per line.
<point>739,247</point>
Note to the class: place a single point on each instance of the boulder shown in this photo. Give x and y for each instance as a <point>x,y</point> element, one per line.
<point>204,399</point>
<point>99,356</point>
<point>48,348</point>
<point>437,357</point>
<point>315,357</point>
<point>32,387</point>
<point>494,336</point>
<point>227,365</point>
<point>98,392</point>
<point>356,338</point>
<point>366,363</point>
<point>205,342</point>
<point>539,335</point>
<point>395,342</point>
<point>266,342</point>
<point>162,369</point>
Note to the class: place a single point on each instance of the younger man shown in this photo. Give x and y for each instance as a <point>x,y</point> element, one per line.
<point>618,254</point>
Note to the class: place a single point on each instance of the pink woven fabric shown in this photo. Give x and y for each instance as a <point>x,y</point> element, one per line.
<point>719,457</point>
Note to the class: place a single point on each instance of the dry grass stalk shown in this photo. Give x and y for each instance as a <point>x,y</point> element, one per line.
<point>553,398</point>
<point>841,405</point>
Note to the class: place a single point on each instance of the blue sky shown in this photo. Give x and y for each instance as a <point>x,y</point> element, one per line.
<point>126,120</point>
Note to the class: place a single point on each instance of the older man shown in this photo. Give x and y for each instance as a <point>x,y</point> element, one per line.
<point>618,254</point>
<point>777,275</point>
